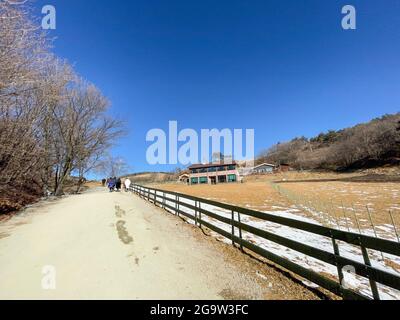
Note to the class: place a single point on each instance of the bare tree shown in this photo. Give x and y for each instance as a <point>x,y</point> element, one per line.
<point>51,122</point>
<point>82,131</point>
<point>23,50</point>
<point>113,166</point>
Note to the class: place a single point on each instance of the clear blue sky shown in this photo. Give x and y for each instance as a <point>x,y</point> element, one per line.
<point>285,67</point>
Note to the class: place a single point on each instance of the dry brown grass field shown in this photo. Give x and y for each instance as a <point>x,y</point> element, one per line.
<point>367,201</point>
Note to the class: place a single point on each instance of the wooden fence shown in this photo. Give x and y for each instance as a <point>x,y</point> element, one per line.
<point>175,203</point>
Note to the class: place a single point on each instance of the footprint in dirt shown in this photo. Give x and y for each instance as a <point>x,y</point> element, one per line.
<point>119,212</point>
<point>123,233</point>
<point>137,260</point>
<point>156,249</point>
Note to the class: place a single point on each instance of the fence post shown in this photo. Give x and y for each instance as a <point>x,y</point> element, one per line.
<point>195,214</point>
<point>179,205</point>
<point>164,200</point>
<point>233,227</point>
<point>240,232</point>
<point>200,221</point>
<point>339,266</point>
<point>374,287</point>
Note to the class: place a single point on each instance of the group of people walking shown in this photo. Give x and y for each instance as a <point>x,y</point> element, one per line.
<point>116,184</point>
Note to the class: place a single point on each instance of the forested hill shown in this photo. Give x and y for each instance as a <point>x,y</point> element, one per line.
<point>366,145</point>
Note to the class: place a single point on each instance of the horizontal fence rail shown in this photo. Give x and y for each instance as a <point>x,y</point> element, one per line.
<point>175,203</point>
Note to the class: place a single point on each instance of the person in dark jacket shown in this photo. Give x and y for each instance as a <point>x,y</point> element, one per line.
<point>119,184</point>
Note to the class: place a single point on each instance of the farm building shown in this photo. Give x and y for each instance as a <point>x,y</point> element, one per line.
<point>264,168</point>
<point>213,173</point>
<point>184,178</point>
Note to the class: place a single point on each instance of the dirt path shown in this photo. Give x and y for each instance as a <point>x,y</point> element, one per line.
<point>116,246</point>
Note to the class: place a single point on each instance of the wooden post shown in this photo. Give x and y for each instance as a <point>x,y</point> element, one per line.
<point>164,200</point>
<point>374,287</point>
<point>195,214</point>
<point>200,222</point>
<point>179,205</point>
<point>233,227</point>
<point>339,267</point>
<point>240,232</point>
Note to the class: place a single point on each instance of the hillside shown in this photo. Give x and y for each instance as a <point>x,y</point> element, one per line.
<point>366,145</point>
<point>152,177</point>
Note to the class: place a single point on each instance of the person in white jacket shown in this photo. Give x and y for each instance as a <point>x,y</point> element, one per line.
<point>128,183</point>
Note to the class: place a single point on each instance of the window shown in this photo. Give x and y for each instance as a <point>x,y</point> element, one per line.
<point>213,169</point>
<point>194,171</point>
<point>222,179</point>
<point>231,167</point>
<point>203,180</point>
<point>232,178</point>
<point>195,180</point>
